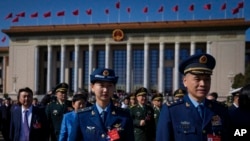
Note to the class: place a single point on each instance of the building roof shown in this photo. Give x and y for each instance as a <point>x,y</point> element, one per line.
<point>133,27</point>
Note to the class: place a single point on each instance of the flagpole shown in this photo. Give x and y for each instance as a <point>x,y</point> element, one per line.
<point>162,16</point>
<point>77,19</point>
<point>91,18</point>
<point>118,15</point>
<point>243,8</point>
<point>129,16</point>
<point>108,18</point>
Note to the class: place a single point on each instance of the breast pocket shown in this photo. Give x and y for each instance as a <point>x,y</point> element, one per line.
<point>186,130</point>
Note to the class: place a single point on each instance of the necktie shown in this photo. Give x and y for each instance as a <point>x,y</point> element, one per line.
<point>200,108</point>
<point>26,125</point>
<point>103,116</point>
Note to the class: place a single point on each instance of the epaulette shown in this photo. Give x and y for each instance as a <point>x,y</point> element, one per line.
<point>85,109</point>
<point>174,102</point>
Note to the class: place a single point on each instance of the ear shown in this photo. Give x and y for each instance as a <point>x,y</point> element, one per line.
<point>92,87</point>
<point>184,80</point>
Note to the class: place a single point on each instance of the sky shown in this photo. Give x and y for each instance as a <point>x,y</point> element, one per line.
<point>98,8</point>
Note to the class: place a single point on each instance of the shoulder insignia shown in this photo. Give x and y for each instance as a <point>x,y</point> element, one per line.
<point>85,109</point>
<point>176,102</point>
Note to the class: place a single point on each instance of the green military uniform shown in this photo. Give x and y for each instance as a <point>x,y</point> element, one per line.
<point>145,112</point>
<point>157,97</point>
<point>55,111</point>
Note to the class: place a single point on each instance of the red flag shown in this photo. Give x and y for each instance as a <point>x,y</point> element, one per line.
<point>128,10</point>
<point>89,12</point>
<point>21,14</point>
<point>60,13</point>
<point>47,14</point>
<point>241,4</point>
<point>34,15</point>
<point>117,5</point>
<point>191,7</point>
<point>207,6</point>
<point>223,6</point>
<point>235,10</point>
<point>145,9</point>
<point>9,16</point>
<point>76,12</point>
<point>107,11</point>
<point>16,19</point>
<point>161,9</point>
<point>175,8</point>
<point>3,39</point>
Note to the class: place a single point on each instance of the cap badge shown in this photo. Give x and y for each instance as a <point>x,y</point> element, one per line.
<point>203,59</point>
<point>180,92</point>
<point>105,73</point>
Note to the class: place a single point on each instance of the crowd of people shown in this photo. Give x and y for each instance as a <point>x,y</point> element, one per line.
<point>193,114</point>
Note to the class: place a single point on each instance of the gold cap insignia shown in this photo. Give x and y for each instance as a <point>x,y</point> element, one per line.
<point>117,125</point>
<point>105,73</point>
<point>203,59</point>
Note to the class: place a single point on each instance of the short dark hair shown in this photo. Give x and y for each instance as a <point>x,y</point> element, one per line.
<point>77,97</point>
<point>26,89</point>
<point>214,94</point>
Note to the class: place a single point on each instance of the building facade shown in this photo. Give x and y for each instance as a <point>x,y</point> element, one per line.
<point>142,54</point>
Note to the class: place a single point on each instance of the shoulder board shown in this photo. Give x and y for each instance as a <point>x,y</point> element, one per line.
<point>85,109</point>
<point>174,102</point>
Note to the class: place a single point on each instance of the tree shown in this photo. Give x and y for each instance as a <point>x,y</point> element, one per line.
<point>241,80</point>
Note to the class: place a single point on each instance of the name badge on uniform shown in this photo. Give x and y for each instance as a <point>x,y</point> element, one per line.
<point>216,120</point>
<point>211,137</point>
<point>113,134</point>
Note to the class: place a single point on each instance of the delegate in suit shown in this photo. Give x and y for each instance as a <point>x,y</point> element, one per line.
<point>27,123</point>
<point>194,118</point>
<point>103,121</point>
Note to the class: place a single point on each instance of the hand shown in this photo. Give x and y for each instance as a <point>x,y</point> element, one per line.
<point>142,123</point>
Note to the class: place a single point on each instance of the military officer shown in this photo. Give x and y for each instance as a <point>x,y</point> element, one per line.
<point>103,121</point>
<point>157,104</point>
<point>56,109</point>
<point>132,101</point>
<point>143,117</point>
<point>194,118</point>
<point>179,94</point>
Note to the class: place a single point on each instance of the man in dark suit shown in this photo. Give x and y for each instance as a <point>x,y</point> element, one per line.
<point>5,117</point>
<point>143,117</point>
<point>194,118</point>
<point>56,109</point>
<point>103,121</point>
<point>27,123</point>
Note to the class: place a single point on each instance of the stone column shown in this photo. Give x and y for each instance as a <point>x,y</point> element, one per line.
<point>176,65</point>
<point>192,48</point>
<point>128,68</point>
<point>107,54</point>
<point>76,66</point>
<point>90,62</point>
<point>161,77</point>
<point>146,64</point>
<point>49,68</point>
<point>62,69</point>
<point>36,70</point>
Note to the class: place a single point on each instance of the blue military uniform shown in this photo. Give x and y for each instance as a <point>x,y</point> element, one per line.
<point>88,125</point>
<point>183,121</point>
<point>116,123</point>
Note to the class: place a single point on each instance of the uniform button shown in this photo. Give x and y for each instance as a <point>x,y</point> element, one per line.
<point>204,131</point>
<point>185,132</point>
<point>103,136</point>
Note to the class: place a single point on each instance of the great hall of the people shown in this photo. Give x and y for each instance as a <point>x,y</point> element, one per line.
<point>141,53</point>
